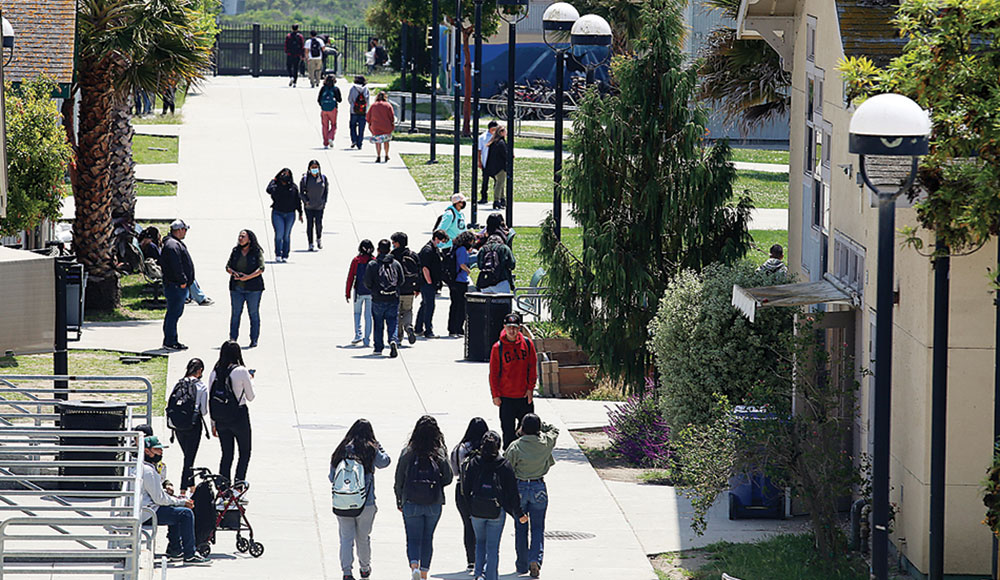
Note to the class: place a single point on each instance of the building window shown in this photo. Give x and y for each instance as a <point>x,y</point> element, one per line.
<point>811,38</point>
<point>849,262</point>
<point>817,202</point>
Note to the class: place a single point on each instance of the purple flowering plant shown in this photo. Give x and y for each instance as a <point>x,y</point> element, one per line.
<point>637,430</point>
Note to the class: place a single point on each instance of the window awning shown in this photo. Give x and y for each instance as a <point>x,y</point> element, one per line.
<point>827,291</point>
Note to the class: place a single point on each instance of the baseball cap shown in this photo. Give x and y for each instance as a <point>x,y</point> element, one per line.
<point>457,198</point>
<point>178,225</point>
<point>512,319</point>
<point>153,442</point>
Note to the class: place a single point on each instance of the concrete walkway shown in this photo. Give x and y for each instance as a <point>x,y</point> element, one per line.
<point>311,383</point>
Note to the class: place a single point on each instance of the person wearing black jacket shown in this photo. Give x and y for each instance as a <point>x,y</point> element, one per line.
<point>496,166</point>
<point>384,279</point>
<point>410,261</point>
<point>246,285</point>
<point>430,277</point>
<point>285,203</point>
<point>490,489</point>
<point>178,274</point>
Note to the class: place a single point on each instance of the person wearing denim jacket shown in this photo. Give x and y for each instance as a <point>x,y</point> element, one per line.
<point>531,457</point>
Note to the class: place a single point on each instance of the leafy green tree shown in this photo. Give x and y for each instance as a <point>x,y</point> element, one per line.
<point>37,155</point>
<point>705,348</point>
<point>651,199</point>
<point>318,13</point>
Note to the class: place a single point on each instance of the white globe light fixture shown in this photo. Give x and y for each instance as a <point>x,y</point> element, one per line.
<point>559,17</point>
<point>8,39</point>
<point>591,30</point>
<point>890,125</point>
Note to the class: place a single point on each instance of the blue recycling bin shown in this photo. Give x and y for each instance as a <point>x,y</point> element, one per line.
<point>752,494</point>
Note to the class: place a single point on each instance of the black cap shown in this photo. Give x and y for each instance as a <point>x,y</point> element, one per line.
<point>514,318</point>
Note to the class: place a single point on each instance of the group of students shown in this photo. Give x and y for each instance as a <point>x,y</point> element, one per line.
<point>191,407</point>
<point>491,483</point>
<point>379,116</point>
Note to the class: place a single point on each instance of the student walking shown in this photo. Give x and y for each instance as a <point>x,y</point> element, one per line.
<point>482,155</point>
<point>328,99</point>
<point>381,119</point>
<point>384,279</point>
<point>457,289</point>
<point>531,458</point>
<point>410,262</point>
<point>430,272</point>
<point>294,53</point>
<point>246,284</point>
<point>490,490</point>
<point>357,98</point>
<point>362,295</point>
<point>352,474</point>
<point>512,376</point>
<point>467,447</point>
<point>178,274</point>
<point>285,203</point>
<point>421,476</point>
<point>314,58</point>
<point>231,388</point>
<point>314,189</point>
<point>187,408</point>
<point>496,167</point>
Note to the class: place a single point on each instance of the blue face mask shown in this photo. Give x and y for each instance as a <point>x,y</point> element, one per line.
<point>314,170</point>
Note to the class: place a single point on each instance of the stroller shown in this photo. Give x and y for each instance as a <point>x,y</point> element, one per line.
<point>219,506</point>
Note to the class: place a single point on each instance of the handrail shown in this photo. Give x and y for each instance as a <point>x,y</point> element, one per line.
<point>8,386</point>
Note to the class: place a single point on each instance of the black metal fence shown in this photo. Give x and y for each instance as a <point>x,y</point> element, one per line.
<point>260,50</point>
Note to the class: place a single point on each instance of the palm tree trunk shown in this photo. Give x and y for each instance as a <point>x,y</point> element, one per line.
<point>122,167</point>
<point>92,226</point>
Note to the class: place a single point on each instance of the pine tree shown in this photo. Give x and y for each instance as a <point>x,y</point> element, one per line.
<point>651,198</point>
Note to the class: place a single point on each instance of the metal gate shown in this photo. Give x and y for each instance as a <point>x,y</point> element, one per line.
<point>260,50</point>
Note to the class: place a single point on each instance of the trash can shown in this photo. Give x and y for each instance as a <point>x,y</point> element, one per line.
<point>752,494</point>
<point>484,315</point>
<point>90,416</point>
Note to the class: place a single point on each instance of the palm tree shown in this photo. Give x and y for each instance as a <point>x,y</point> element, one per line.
<point>121,45</point>
<point>742,77</point>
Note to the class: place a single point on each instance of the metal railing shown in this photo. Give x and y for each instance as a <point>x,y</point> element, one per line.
<point>57,518</point>
<point>22,404</point>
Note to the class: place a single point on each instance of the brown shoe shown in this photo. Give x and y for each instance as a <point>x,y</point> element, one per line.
<point>534,569</point>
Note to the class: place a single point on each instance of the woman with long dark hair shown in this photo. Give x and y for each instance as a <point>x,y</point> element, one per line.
<point>285,203</point>
<point>189,434</point>
<point>361,446</point>
<point>469,445</point>
<point>246,284</point>
<point>314,189</point>
<point>457,289</point>
<point>231,387</point>
<point>421,476</point>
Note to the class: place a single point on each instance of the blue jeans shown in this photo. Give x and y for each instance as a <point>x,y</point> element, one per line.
<point>180,528</point>
<point>425,315</point>
<point>363,302</point>
<point>282,222</point>
<point>488,546</point>
<point>419,522</point>
<point>237,297</point>
<point>534,502</point>
<point>175,296</point>
<point>195,292</point>
<point>357,129</point>
<point>385,314</point>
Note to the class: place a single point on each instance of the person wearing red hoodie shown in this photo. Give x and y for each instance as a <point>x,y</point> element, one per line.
<point>513,374</point>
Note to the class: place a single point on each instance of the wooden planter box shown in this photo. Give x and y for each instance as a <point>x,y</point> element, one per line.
<point>564,373</point>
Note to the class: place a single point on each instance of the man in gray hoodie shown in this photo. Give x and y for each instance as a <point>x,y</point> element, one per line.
<point>313,189</point>
<point>357,100</point>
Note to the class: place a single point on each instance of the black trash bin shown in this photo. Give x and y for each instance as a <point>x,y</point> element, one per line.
<point>484,315</point>
<point>91,416</point>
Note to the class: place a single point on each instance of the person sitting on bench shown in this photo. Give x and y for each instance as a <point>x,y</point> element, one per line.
<point>173,512</point>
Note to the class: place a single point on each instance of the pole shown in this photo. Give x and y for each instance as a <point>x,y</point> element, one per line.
<point>996,400</point>
<point>413,84</point>
<point>883,387</point>
<point>939,407</point>
<point>477,88</point>
<point>436,49</point>
<point>60,358</point>
<point>405,49</point>
<point>557,161</point>
<point>456,88</point>
<point>511,50</point>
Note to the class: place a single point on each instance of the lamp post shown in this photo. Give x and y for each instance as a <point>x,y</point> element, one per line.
<point>511,18</point>
<point>558,20</point>
<point>477,88</point>
<point>8,44</point>
<point>435,54</point>
<point>893,126</point>
<point>456,88</point>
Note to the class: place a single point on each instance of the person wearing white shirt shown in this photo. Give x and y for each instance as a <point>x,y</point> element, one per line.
<point>314,58</point>
<point>484,150</point>
<point>230,391</point>
<point>173,512</point>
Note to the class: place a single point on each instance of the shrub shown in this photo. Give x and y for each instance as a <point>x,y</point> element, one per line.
<point>638,432</point>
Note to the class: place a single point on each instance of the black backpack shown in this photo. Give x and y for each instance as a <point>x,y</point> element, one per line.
<point>360,104</point>
<point>222,401</point>
<point>489,266</point>
<point>423,481</point>
<point>411,270</point>
<point>387,280</point>
<point>314,50</point>
<point>381,57</point>
<point>182,411</point>
<point>449,265</point>
<point>484,494</point>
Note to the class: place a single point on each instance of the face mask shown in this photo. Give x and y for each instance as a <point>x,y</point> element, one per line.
<point>155,458</point>
<point>314,171</point>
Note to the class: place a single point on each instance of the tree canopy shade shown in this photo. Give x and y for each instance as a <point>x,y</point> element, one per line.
<point>307,13</point>
<point>651,199</point>
<point>950,67</point>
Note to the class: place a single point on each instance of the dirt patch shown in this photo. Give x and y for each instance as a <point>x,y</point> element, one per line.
<point>610,466</point>
<point>679,565</point>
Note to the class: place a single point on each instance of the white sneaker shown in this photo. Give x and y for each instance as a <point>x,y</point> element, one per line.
<point>415,575</point>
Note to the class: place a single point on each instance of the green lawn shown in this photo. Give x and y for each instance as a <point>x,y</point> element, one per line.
<point>762,242</point>
<point>760,155</point>
<point>155,189</point>
<point>526,245</point>
<point>445,140</point>
<point>96,362</point>
<point>153,149</point>
<point>169,119</point>
<point>532,181</point>
<point>768,190</point>
<point>139,301</point>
